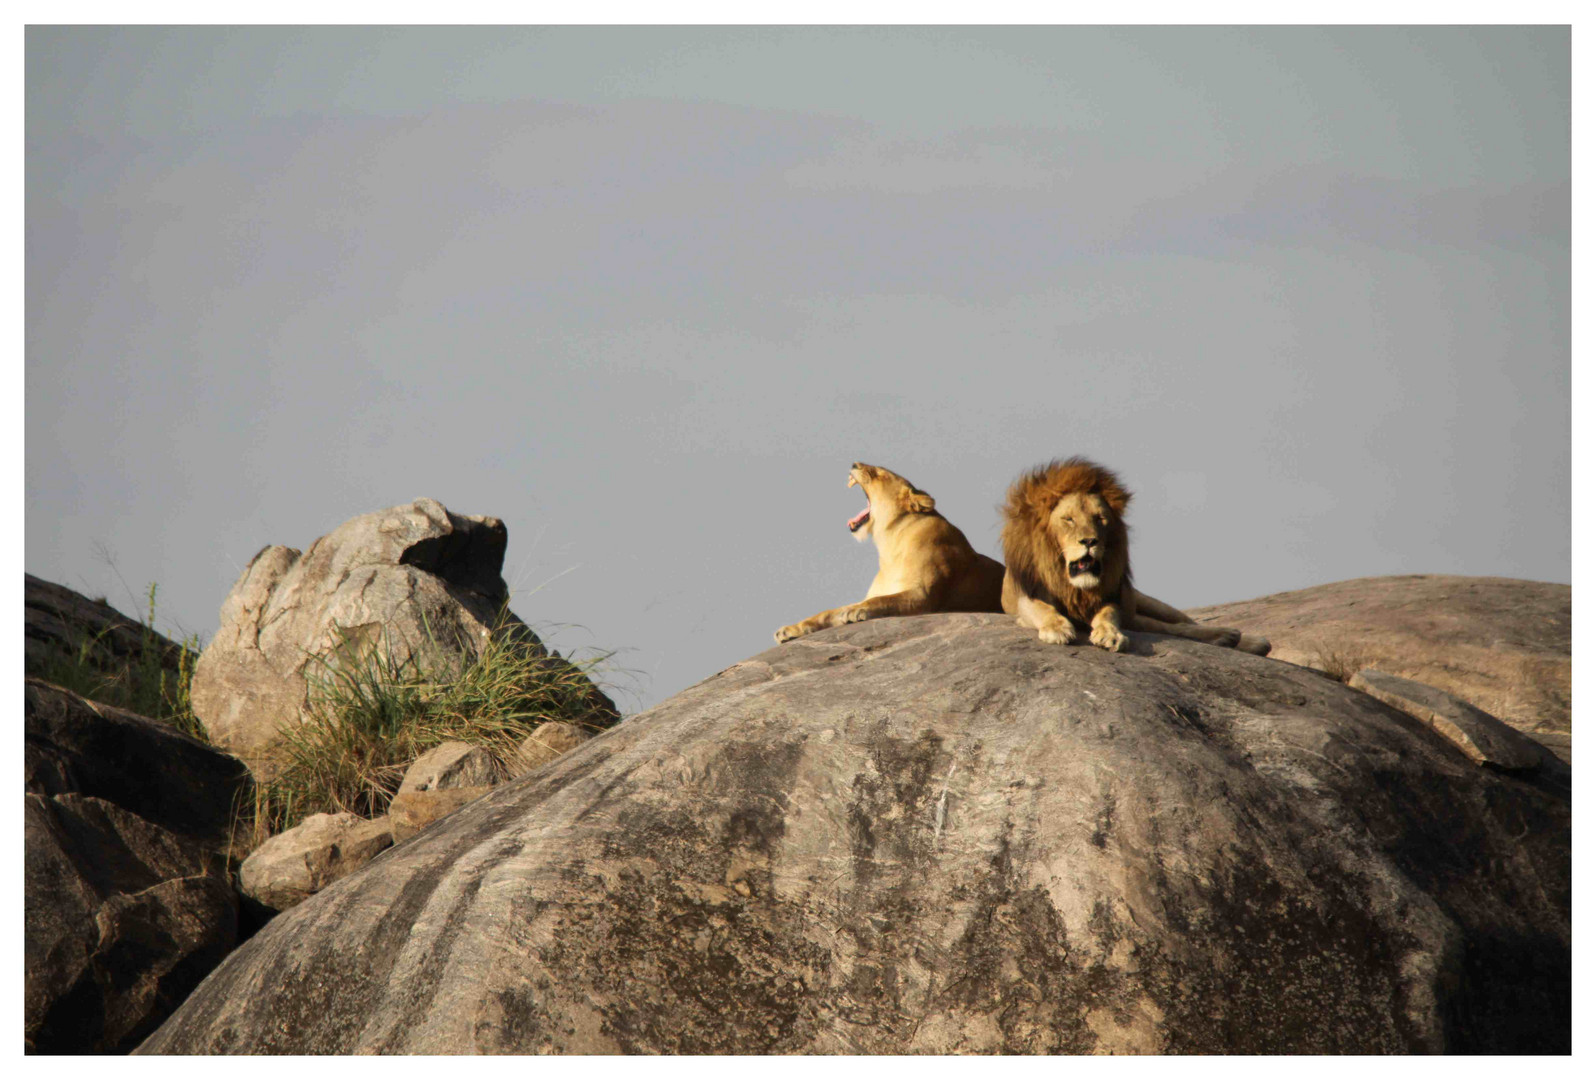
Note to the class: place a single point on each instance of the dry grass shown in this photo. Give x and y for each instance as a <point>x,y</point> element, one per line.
<point>1340,663</point>
<point>143,683</point>
<point>370,717</point>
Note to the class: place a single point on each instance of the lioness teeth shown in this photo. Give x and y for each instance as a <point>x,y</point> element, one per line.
<point>858,520</point>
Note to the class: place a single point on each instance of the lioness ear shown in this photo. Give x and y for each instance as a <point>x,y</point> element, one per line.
<point>918,502</point>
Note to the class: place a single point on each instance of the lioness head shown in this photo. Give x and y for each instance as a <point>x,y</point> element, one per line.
<point>1064,533</point>
<point>887,496</point>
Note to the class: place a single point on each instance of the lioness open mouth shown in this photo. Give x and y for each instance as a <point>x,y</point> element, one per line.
<point>1086,564</point>
<point>858,521</point>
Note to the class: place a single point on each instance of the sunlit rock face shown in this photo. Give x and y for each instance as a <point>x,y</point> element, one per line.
<point>938,834</point>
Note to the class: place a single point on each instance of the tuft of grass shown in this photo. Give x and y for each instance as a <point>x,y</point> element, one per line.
<point>371,715</point>
<point>142,682</point>
<point>1339,664</point>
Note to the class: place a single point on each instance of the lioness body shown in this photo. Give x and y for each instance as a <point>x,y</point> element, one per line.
<point>1068,555</point>
<point>925,562</point>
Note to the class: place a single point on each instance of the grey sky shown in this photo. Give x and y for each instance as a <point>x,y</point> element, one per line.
<point>645,294</point>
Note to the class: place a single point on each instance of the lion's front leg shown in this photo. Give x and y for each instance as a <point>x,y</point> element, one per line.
<point>1106,632</point>
<point>1048,622</point>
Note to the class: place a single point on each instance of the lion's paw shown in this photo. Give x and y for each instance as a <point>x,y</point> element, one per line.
<point>787,633</point>
<point>1056,635</point>
<point>1106,637</point>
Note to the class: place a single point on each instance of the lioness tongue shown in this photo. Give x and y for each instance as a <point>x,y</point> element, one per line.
<point>858,519</point>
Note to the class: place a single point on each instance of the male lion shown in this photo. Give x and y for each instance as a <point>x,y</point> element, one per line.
<point>1068,556</point>
<point>926,564</point>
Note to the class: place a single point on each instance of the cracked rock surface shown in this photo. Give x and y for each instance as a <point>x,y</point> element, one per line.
<point>938,834</point>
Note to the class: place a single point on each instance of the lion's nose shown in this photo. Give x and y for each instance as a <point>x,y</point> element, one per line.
<point>1089,543</point>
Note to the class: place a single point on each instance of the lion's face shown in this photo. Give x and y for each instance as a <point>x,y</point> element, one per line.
<point>887,495</point>
<point>1081,525</point>
<point>1064,536</point>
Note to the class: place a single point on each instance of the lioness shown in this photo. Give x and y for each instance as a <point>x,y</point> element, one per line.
<point>1068,556</point>
<point>926,564</point>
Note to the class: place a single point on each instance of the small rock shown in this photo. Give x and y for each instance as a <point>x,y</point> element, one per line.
<point>547,742</point>
<point>412,811</point>
<point>1481,736</point>
<point>312,855</point>
<point>453,765</point>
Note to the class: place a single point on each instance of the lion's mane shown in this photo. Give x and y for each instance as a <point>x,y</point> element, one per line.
<point>1031,552</point>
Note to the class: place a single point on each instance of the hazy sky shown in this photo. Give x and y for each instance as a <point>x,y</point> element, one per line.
<point>645,294</point>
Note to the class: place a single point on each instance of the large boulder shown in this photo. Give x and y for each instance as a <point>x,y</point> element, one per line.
<point>127,902</point>
<point>1501,644</point>
<point>939,835</point>
<point>416,581</point>
<point>121,920</point>
<point>72,744</point>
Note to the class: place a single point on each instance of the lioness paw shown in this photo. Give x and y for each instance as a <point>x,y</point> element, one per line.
<point>1107,637</point>
<point>1256,645</point>
<point>1225,638</point>
<point>787,633</point>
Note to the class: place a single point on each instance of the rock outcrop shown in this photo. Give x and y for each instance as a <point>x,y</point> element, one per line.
<point>418,582</point>
<point>121,920</point>
<point>1481,737</point>
<point>127,899</point>
<point>1500,644</point>
<point>74,745</point>
<point>939,835</point>
<point>61,622</point>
